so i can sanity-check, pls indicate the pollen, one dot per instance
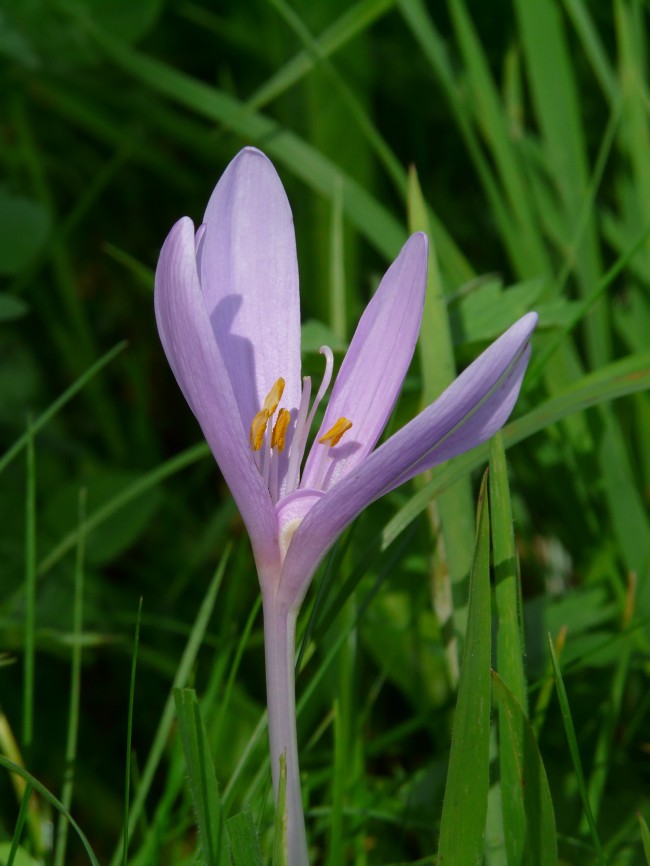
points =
(334, 434)
(280, 430)
(258, 429)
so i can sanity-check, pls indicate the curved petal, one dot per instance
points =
(467, 413)
(249, 277)
(374, 367)
(192, 353)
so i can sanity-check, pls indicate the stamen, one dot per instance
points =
(324, 385)
(258, 429)
(334, 434)
(280, 430)
(295, 455)
(274, 396)
(262, 418)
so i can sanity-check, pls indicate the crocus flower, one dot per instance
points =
(228, 313)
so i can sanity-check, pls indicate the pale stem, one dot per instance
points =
(279, 646)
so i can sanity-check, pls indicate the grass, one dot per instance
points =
(516, 134)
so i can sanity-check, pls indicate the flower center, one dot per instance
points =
(268, 439)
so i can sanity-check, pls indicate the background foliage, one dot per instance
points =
(528, 124)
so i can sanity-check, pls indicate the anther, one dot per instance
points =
(262, 418)
(334, 434)
(273, 397)
(258, 429)
(280, 430)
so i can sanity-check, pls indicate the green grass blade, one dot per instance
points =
(645, 837)
(375, 223)
(593, 47)
(528, 817)
(202, 779)
(452, 514)
(352, 22)
(464, 809)
(75, 689)
(20, 823)
(142, 485)
(167, 717)
(558, 113)
(30, 591)
(129, 736)
(510, 648)
(575, 753)
(520, 231)
(602, 762)
(337, 301)
(61, 401)
(244, 844)
(52, 800)
(546, 689)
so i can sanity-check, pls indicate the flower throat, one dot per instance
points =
(268, 439)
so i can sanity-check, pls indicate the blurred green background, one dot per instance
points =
(528, 124)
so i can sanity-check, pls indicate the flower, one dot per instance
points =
(228, 312)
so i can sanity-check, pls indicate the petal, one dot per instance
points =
(249, 277)
(374, 367)
(467, 413)
(189, 344)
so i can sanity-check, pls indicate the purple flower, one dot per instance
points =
(228, 313)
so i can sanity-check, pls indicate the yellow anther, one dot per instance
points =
(280, 430)
(258, 429)
(261, 420)
(334, 434)
(273, 397)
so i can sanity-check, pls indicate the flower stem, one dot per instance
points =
(279, 645)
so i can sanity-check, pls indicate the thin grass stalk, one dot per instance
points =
(75, 690)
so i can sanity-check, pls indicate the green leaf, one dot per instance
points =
(202, 779)
(244, 844)
(528, 816)
(464, 809)
(11, 307)
(24, 228)
(120, 530)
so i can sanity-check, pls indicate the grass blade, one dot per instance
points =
(20, 823)
(452, 514)
(129, 736)
(167, 717)
(30, 591)
(202, 779)
(528, 816)
(244, 844)
(464, 809)
(510, 648)
(61, 401)
(645, 838)
(575, 753)
(75, 689)
(52, 800)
